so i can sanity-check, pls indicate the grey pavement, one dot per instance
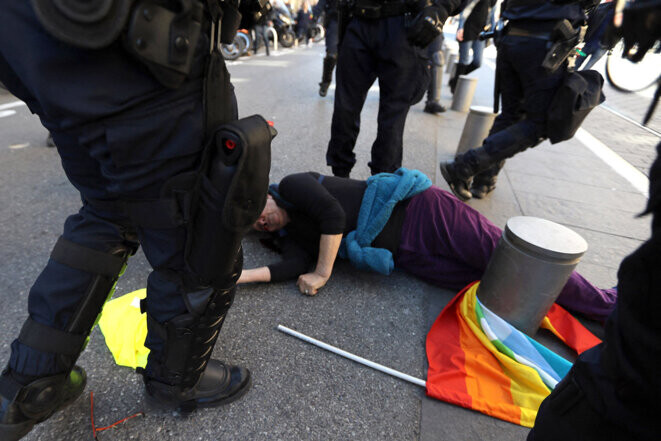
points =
(301, 392)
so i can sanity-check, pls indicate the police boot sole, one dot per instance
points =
(14, 432)
(482, 191)
(186, 407)
(450, 180)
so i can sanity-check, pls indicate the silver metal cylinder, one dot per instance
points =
(531, 264)
(463, 93)
(476, 128)
(451, 61)
(446, 53)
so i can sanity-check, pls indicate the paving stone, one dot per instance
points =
(592, 217)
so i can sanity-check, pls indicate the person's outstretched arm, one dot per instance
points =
(310, 283)
(261, 274)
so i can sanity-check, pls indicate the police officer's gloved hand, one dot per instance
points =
(426, 26)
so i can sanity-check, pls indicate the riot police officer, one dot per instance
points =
(612, 391)
(329, 10)
(119, 85)
(526, 87)
(382, 39)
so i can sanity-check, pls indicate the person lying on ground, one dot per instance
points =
(430, 234)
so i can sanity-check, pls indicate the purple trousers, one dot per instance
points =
(448, 243)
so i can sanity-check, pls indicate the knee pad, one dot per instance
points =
(106, 268)
(219, 202)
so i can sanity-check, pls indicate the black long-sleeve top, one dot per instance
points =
(319, 204)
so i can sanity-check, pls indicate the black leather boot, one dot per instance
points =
(327, 75)
(459, 182)
(23, 406)
(485, 182)
(459, 173)
(184, 377)
(219, 384)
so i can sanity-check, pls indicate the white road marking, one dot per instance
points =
(11, 105)
(6, 113)
(615, 161)
(19, 146)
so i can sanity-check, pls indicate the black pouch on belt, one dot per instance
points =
(221, 200)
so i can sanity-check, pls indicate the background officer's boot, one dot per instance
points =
(327, 74)
(24, 405)
(433, 104)
(485, 182)
(184, 377)
(460, 69)
(459, 173)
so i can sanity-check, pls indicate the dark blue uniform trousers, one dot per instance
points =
(374, 49)
(331, 37)
(120, 136)
(526, 91)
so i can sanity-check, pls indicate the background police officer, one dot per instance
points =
(384, 40)
(329, 10)
(526, 88)
(126, 118)
(612, 391)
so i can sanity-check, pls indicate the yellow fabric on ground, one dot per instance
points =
(125, 329)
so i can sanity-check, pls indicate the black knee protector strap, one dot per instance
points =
(69, 342)
(190, 338)
(221, 201)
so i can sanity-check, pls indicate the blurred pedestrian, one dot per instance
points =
(303, 23)
(261, 28)
(471, 23)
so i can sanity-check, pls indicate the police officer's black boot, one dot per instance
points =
(459, 173)
(485, 182)
(24, 404)
(480, 188)
(184, 377)
(327, 74)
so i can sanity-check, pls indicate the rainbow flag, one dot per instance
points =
(479, 361)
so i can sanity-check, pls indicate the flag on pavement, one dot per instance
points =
(479, 361)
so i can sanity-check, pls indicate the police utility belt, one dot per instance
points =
(162, 34)
(374, 9)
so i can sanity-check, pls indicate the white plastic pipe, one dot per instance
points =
(350, 356)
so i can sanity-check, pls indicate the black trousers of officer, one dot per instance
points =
(120, 135)
(374, 49)
(526, 92)
(331, 37)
